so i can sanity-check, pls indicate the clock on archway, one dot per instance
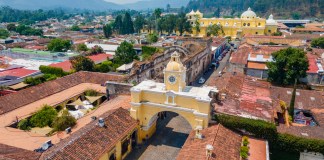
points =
(172, 79)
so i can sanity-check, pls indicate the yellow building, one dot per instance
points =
(248, 24)
(150, 98)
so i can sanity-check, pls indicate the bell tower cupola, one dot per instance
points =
(175, 74)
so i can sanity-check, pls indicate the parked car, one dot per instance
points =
(201, 80)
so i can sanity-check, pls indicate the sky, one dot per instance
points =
(122, 1)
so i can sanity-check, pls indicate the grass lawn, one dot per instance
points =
(281, 155)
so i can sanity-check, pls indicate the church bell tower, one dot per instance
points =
(175, 74)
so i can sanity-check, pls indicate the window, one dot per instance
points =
(244, 24)
(112, 157)
(125, 146)
(269, 31)
(248, 24)
(259, 24)
(256, 33)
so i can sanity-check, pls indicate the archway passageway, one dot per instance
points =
(171, 133)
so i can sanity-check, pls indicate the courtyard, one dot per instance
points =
(165, 144)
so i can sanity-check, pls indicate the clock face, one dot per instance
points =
(172, 79)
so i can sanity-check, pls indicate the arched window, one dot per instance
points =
(244, 24)
(248, 24)
(259, 24)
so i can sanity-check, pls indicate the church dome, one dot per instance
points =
(175, 63)
(249, 14)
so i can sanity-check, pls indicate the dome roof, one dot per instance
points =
(173, 66)
(175, 63)
(271, 21)
(249, 14)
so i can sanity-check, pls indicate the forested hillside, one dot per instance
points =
(279, 8)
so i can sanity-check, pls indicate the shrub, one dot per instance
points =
(24, 125)
(34, 81)
(259, 128)
(64, 121)
(43, 117)
(244, 152)
(245, 141)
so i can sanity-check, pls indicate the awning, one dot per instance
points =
(125, 67)
(18, 86)
(78, 102)
(92, 99)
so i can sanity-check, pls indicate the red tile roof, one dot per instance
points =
(245, 96)
(66, 65)
(14, 153)
(92, 141)
(17, 72)
(312, 63)
(226, 145)
(241, 55)
(100, 57)
(32, 94)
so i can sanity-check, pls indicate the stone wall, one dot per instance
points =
(115, 88)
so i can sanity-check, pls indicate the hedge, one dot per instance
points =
(260, 128)
(53, 70)
(291, 143)
(266, 130)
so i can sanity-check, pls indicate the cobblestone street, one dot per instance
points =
(166, 143)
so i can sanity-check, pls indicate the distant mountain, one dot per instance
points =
(151, 4)
(279, 8)
(70, 4)
(90, 4)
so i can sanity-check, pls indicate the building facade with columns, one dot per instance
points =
(149, 99)
(248, 24)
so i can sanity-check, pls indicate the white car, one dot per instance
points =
(201, 80)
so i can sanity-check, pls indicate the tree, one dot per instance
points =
(75, 28)
(139, 23)
(318, 43)
(288, 65)
(170, 23)
(217, 13)
(157, 14)
(104, 67)
(82, 47)
(182, 24)
(59, 45)
(295, 15)
(82, 63)
(118, 24)
(96, 50)
(127, 27)
(214, 30)
(28, 31)
(11, 27)
(43, 117)
(64, 121)
(125, 53)
(4, 34)
(107, 29)
(152, 38)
